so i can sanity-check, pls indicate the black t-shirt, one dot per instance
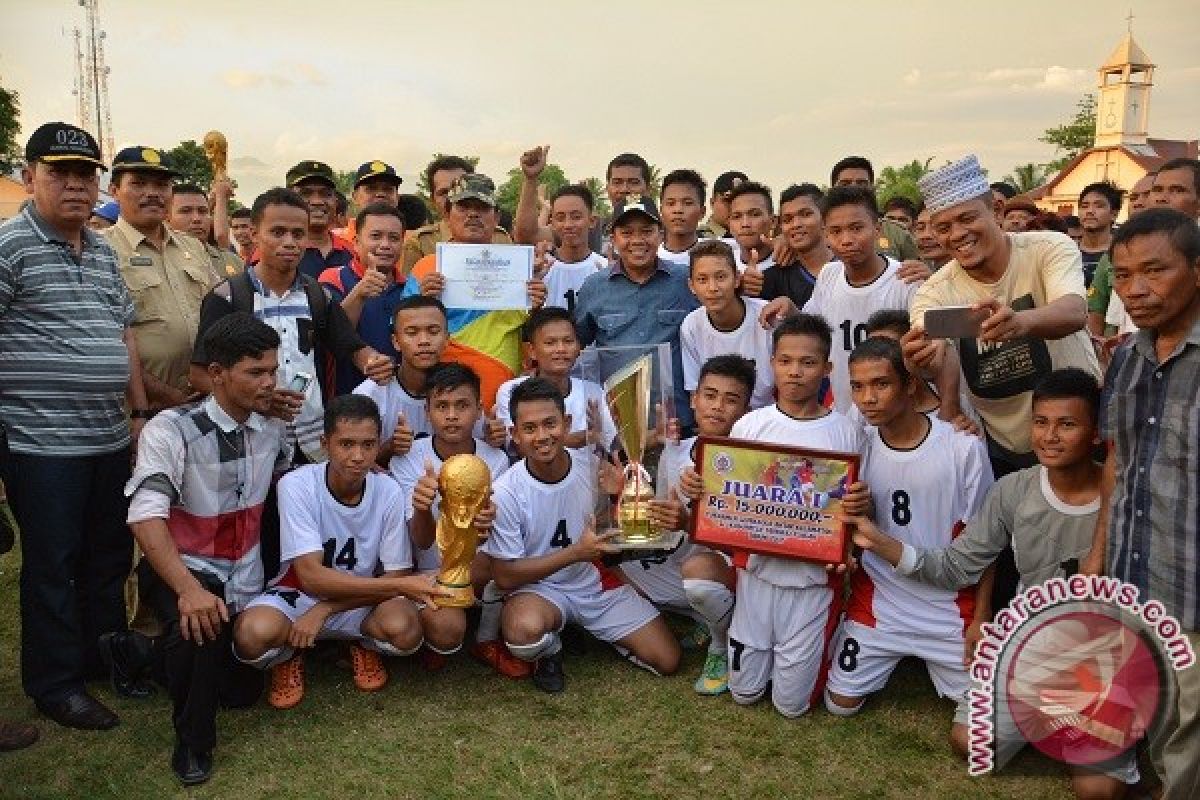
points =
(793, 281)
(1090, 260)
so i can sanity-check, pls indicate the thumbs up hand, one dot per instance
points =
(402, 436)
(752, 277)
(493, 430)
(425, 491)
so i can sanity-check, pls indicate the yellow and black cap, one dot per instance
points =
(376, 169)
(142, 159)
(58, 142)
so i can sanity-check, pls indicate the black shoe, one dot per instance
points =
(127, 655)
(79, 710)
(192, 767)
(548, 675)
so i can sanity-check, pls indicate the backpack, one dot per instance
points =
(241, 296)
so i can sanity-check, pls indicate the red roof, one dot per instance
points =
(1149, 156)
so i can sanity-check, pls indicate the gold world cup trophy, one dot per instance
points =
(216, 150)
(465, 483)
(627, 393)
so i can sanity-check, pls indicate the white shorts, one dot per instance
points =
(293, 603)
(660, 581)
(779, 635)
(610, 615)
(863, 659)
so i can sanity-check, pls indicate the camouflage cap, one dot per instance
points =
(473, 187)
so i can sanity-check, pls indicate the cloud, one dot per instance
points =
(283, 76)
(246, 79)
(1052, 78)
(912, 78)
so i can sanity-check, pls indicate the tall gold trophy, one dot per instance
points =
(465, 483)
(627, 392)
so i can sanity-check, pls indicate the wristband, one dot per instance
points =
(141, 413)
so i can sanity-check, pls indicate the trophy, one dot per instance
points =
(216, 150)
(465, 483)
(639, 373)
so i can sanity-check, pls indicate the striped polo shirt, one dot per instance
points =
(64, 367)
(208, 477)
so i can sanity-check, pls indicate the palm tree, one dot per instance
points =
(1026, 177)
(599, 194)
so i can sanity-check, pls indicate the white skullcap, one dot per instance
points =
(952, 184)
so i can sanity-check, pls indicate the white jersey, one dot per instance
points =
(356, 539)
(565, 277)
(682, 258)
(534, 518)
(408, 469)
(700, 340)
(393, 399)
(576, 401)
(923, 497)
(846, 308)
(831, 432)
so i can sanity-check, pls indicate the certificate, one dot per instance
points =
(772, 499)
(485, 277)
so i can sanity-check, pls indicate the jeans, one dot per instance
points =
(75, 556)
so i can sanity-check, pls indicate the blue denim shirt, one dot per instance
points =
(611, 310)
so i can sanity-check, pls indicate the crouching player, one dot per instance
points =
(787, 609)
(453, 409)
(1048, 514)
(543, 545)
(340, 523)
(693, 577)
(926, 480)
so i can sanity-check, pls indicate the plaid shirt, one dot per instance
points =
(208, 477)
(1151, 415)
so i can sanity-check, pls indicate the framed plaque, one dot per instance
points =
(772, 499)
(485, 277)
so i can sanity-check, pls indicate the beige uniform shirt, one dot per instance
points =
(1042, 267)
(423, 242)
(225, 264)
(167, 286)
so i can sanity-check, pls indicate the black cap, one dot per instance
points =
(376, 169)
(58, 142)
(141, 159)
(726, 181)
(309, 170)
(635, 204)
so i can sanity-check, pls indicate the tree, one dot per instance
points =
(1073, 137)
(343, 180)
(892, 181)
(10, 113)
(509, 192)
(187, 158)
(1026, 177)
(599, 195)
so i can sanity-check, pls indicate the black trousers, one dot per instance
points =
(75, 556)
(200, 677)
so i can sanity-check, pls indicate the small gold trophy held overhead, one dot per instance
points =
(627, 392)
(465, 483)
(216, 150)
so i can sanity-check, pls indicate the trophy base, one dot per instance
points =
(649, 547)
(460, 596)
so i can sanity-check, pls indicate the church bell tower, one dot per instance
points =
(1122, 112)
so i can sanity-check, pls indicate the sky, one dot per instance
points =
(779, 90)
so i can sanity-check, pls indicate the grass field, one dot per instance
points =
(617, 732)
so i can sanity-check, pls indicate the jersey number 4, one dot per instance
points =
(560, 537)
(345, 557)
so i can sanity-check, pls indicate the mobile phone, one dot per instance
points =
(300, 382)
(953, 322)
